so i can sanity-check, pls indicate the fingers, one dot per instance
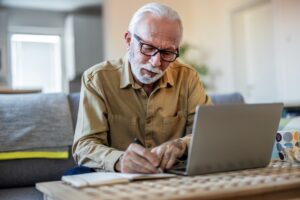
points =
(137, 159)
(170, 162)
(135, 165)
(148, 155)
(168, 153)
(159, 151)
(169, 157)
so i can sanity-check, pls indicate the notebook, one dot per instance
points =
(231, 137)
(108, 178)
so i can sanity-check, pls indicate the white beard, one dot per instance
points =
(136, 69)
(146, 78)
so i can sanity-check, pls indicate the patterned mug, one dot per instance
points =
(287, 144)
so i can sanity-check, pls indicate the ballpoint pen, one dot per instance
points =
(137, 141)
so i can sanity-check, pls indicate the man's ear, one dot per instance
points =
(127, 37)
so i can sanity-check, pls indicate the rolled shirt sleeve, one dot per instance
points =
(91, 147)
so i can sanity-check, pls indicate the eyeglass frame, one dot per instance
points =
(157, 50)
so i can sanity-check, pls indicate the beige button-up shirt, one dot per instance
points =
(114, 109)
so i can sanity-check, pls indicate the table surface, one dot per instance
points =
(280, 180)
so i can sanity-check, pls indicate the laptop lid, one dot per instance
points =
(232, 137)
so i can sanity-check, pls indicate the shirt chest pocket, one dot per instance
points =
(173, 127)
(122, 130)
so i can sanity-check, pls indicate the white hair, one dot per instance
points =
(157, 10)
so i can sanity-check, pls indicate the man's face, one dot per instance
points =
(159, 33)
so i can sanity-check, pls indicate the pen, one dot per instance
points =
(137, 141)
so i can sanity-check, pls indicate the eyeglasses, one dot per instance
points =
(149, 50)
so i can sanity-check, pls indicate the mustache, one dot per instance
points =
(150, 68)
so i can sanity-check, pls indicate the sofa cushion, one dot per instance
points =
(27, 172)
(24, 193)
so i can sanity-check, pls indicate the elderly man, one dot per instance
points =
(147, 95)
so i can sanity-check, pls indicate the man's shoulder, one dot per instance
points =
(105, 67)
(180, 67)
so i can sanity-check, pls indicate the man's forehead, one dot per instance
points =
(159, 31)
(164, 36)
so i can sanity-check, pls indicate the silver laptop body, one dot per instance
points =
(232, 137)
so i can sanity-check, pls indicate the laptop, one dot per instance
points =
(231, 137)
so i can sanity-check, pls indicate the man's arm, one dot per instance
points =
(91, 146)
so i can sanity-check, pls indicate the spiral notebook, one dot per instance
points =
(108, 178)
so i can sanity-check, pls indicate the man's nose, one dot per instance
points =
(155, 60)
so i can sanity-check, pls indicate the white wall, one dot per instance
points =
(88, 41)
(210, 29)
(3, 47)
(34, 18)
(254, 68)
(84, 43)
(116, 17)
(287, 48)
(260, 67)
(208, 25)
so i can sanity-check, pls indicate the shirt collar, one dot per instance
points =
(127, 77)
(168, 78)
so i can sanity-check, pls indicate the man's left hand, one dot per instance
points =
(169, 151)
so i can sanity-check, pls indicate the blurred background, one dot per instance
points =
(246, 46)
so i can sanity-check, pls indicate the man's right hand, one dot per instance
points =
(137, 159)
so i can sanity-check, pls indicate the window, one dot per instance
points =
(36, 62)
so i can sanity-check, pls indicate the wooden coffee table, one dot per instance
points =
(280, 180)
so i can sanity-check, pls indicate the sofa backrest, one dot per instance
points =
(230, 98)
(74, 104)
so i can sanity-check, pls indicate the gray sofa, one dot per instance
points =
(18, 177)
